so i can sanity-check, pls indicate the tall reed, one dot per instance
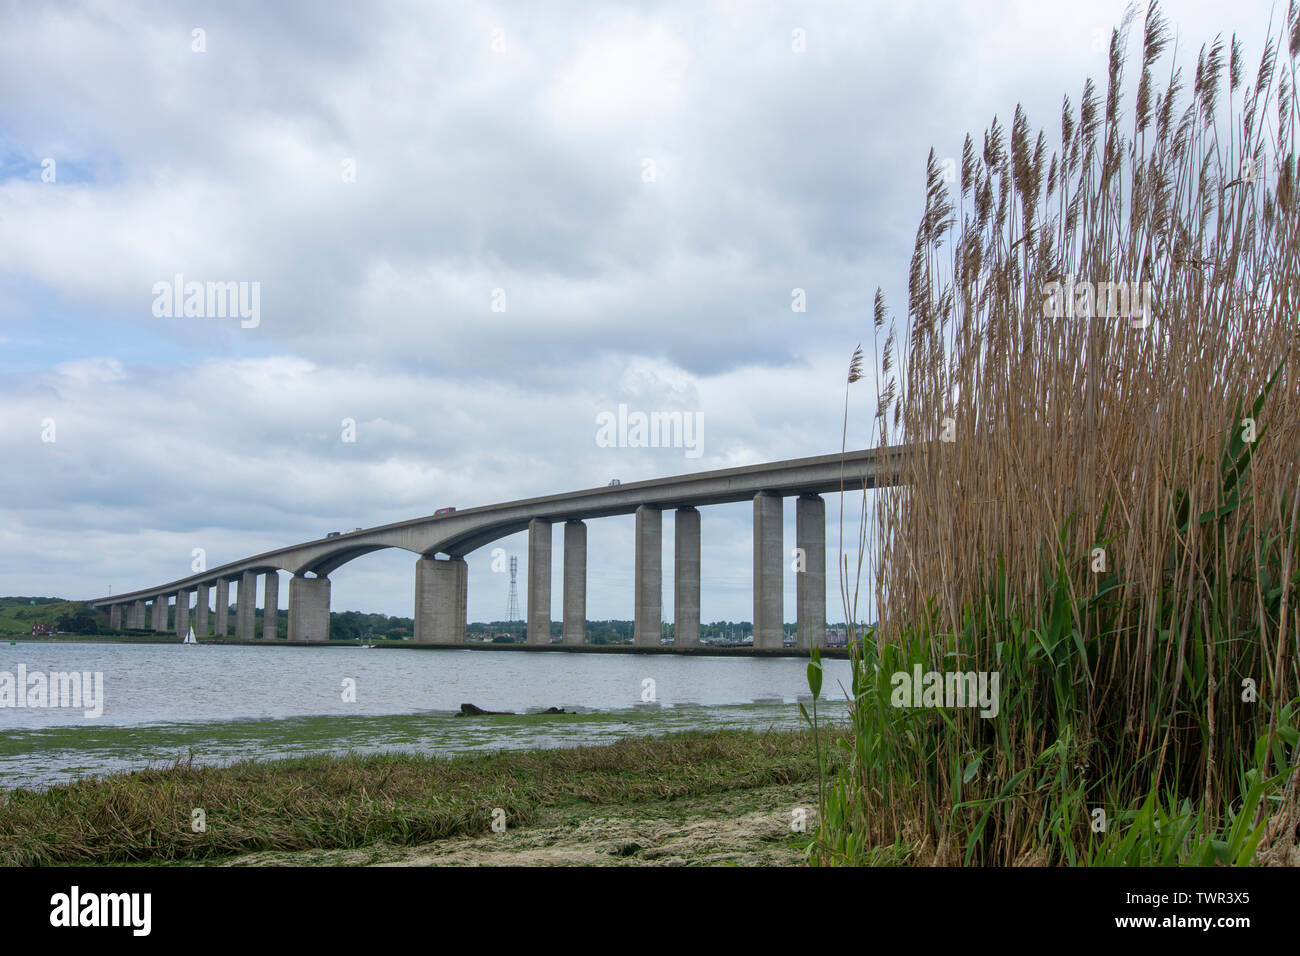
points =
(1099, 501)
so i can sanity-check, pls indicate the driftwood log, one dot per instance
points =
(469, 710)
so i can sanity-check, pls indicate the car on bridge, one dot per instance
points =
(333, 534)
(443, 511)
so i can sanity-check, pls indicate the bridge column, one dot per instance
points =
(686, 578)
(271, 607)
(649, 612)
(539, 582)
(222, 628)
(246, 608)
(575, 582)
(201, 611)
(810, 584)
(441, 600)
(135, 616)
(309, 609)
(159, 613)
(769, 632)
(182, 613)
(115, 617)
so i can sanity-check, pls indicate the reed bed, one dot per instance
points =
(1096, 388)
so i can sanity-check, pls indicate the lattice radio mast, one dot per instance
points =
(512, 605)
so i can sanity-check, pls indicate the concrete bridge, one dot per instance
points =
(441, 583)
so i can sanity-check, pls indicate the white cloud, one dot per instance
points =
(476, 171)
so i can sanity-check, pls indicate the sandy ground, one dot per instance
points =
(733, 828)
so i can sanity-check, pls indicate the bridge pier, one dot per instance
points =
(246, 606)
(222, 629)
(441, 600)
(158, 611)
(135, 616)
(115, 617)
(201, 611)
(648, 612)
(810, 584)
(539, 581)
(575, 583)
(769, 630)
(182, 613)
(271, 606)
(309, 609)
(686, 578)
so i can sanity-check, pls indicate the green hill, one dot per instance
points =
(18, 614)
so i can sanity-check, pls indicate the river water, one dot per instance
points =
(215, 704)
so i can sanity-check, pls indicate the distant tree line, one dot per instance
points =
(359, 626)
(81, 621)
(356, 626)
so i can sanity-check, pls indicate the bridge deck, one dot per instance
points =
(466, 530)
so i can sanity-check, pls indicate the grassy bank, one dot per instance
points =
(333, 804)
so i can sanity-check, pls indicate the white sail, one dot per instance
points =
(189, 638)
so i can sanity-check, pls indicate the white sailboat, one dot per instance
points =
(189, 638)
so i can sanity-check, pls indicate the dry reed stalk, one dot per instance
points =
(1075, 429)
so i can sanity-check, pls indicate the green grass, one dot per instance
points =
(350, 802)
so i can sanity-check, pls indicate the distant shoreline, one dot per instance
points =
(705, 650)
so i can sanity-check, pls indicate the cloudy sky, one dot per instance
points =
(473, 228)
